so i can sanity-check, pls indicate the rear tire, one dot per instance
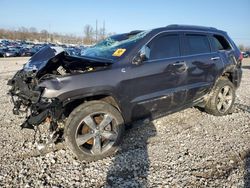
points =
(221, 99)
(94, 130)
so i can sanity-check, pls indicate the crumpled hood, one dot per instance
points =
(50, 58)
(41, 58)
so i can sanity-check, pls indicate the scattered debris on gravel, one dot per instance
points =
(186, 149)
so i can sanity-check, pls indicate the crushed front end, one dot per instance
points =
(35, 89)
(26, 97)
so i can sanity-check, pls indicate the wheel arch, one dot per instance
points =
(109, 98)
(233, 76)
(211, 99)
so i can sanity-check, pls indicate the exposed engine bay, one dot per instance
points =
(52, 61)
(27, 86)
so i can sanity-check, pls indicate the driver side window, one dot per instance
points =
(166, 46)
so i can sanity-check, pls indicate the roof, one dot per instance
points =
(188, 28)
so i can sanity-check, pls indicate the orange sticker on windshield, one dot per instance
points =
(119, 52)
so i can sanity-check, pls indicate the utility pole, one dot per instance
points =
(83, 37)
(96, 30)
(104, 30)
(49, 33)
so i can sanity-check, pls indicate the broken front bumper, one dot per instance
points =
(41, 112)
(27, 98)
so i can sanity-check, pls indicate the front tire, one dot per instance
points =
(94, 130)
(221, 99)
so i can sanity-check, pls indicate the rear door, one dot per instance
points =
(204, 65)
(229, 54)
(222, 47)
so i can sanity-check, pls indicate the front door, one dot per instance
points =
(156, 85)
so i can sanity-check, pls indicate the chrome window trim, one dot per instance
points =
(183, 56)
(183, 31)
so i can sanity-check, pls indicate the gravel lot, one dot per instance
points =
(186, 149)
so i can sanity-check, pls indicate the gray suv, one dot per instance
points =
(89, 100)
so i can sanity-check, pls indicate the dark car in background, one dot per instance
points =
(2, 51)
(90, 99)
(73, 51)
(245, 54)
(29, 51)
(12, 52)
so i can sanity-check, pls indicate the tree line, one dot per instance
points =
(243, 48)
(90, 36)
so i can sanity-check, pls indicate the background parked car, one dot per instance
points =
(248, 53)
(12, 52)
(245, 55)
(73, 51)
(29, 52)
(2, 52)
(10, 48)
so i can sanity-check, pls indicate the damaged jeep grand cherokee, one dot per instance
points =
(123, 78)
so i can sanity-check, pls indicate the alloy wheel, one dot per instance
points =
(96, 133)
(224, 99)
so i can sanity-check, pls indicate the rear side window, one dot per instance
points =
(165, 47)
(220, 43)
(197, 44)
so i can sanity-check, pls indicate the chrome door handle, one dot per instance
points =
(180, 66)
(215, 58)
(179, 63)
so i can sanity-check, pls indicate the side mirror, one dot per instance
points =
(142, 55)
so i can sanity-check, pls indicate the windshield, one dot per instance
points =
(114, 46)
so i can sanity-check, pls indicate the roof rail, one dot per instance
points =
(189, 26)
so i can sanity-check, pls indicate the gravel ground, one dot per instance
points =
(186, 149)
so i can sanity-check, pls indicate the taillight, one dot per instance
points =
(241, 57)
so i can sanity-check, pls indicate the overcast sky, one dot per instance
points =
(70, 16)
